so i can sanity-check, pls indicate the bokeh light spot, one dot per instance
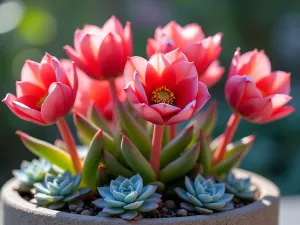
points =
(38, 26)
(11, 14)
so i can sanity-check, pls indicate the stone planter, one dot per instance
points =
(16, 211)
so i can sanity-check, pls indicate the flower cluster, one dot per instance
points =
(126, 110)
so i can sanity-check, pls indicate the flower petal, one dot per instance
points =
(276, 83)
(234, 63)
(183, 115)
(24, 88)
(165, 109)
(76, 57)
(140, 92)
(176, 56)
(111, 56)
(127, 35)
(280, 113)
(31, 73)
(47, 71)
(148, 113)
(113, 25)
(212, 75)
(184, 70)
(159, 62)
(9, 99)
(58, 102)
(202, 97)
(254, 64)
(133, 64)
(186, 91)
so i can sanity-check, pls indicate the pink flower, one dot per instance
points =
(191, 40)
(261, 102)
(102, 52)
(94, 92)
(165, 89)
(44, 94)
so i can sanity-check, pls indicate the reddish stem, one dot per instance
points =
(173, 129)
(113, 91)
(70, 144)
(157, 138)
(227, 137)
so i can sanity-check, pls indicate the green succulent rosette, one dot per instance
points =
(30, 173)
(56, 191)
(127, 198)
(242, 188)
(204, 196)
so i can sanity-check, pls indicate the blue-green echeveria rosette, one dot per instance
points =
(127, 198)
(30, 173)
(204, 196)
(242, 188)
(56, 191)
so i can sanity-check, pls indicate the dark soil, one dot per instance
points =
(168, 208)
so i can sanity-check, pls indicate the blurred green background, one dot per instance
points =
(29, 28)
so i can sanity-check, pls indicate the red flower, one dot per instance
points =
(102, 52)
(44, 94)
(95, 92)
(255, 92)
(191, 40)
(165, 89)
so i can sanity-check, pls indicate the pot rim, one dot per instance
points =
(269, 195)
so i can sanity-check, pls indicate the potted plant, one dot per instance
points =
(133, 163)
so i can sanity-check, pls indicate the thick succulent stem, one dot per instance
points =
(173, 129)
(227, 137)
(157, 138)
(70, 144)
(114, 96)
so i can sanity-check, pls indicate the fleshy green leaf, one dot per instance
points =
(114, 167)
(175, 147)
(240, 146)
(87, 131)
(179, 167)
(95, 117)
(137, 161)
(204, 121)
(129, 215)
(226, 165)
(90, 168)
(205, 155)
(148, 207)
(47, 151)
(135, 131)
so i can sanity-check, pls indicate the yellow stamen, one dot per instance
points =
(40, 102)
(163, 95)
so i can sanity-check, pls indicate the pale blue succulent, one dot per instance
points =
(127, 198)
(204, 196)
(241, 187)
(56, 191)
(30, 173)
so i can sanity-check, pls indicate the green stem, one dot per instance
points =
(70, 144)
(157, 138)
(114, 96)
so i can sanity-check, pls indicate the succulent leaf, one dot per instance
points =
(210, 197)
(47, 151)
(175, 147)
(95, 117)
(30, 173)
(114, 167)
(92, 161)
(242, 145)
(205, 155)
(127, 197)
(179, 167)
(65, 190)
(241, 187)
(135, 131)
(137, 161)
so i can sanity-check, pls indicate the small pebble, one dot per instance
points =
(182, 212)
(170, 204)
(79, 210)
(73, 207)
(86, 213)
(164, 210)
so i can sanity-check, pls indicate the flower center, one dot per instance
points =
(163, 95)
(41, 101)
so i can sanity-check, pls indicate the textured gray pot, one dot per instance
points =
(16, 211)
